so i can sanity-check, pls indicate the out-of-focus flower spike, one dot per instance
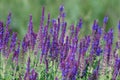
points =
(48, 22)
(119, 25)
(67, 46)
(39, 37)
(105, 20)
(64, 25)
(63, 15)
(33, 75)
(18, 49)
(24, 45)
(6, 38)
(62, 36)
(56, 78)
(30, 25)
(79, 25)
(116, 69)
(8, 20)
(16, 53)
(119, 31)
(30, 34)
(61, 8)
(28, 65)
(53, 21)
(13, 41)
(47, 45)
(7, 32)
(95, 25)
(1, 34)
(72, 32)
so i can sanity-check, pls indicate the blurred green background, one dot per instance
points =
(88, 10)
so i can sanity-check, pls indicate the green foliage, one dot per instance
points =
(86, 9)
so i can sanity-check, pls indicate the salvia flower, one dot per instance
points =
(105, 20)
(33, 75)
(1, 34)
(119, 31)
(7, 32)
(30, 34)
(95, 25)
(116, 69)
(119, 25)
(8, 20)
(13, 41)
(27, 73)
(24, 45)
(80, 23)
(60, 50)
(61, 8)
(16, 53)
(78, 27)
(28, 65)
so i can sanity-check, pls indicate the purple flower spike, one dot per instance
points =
(63, 14)
(119, 30)
(119, 25)
(28, 65)
(31, 36)
(56, 78)
(13, 41)
(95, 25)
(24, 45)
(6, 38)
(61, 8)
(80, 23)
(7, 32)
(1, 34)
(30, 26)
(8, 20)
(53, 21)
(16, 53)
(116, 69)
(33, 75)
(105, 20)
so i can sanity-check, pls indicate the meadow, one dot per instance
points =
(63, 47)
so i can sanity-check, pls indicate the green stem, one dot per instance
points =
(14, 72)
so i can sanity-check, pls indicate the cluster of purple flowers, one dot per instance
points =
(55, 43)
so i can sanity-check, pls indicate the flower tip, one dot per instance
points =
(61, 8)
(119, 25)
(105, 20)
(80, 23)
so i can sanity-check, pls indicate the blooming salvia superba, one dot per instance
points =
(13, 42)
(1, 35)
